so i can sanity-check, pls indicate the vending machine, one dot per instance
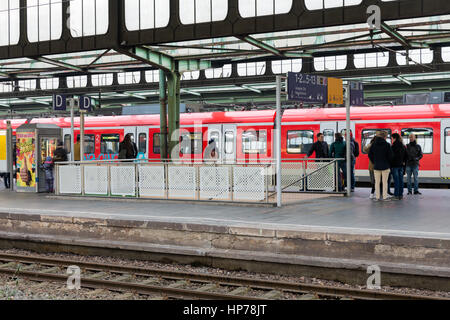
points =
(34, 143)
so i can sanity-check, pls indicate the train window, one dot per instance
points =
(229, 142)
(89, 143)
(157, 143)
(67, 143)
(191, 143)
(424, 138)
(447, 140)
(215, 135)
(328, 135)
(300, 142)
(142, 143)
(369, 134)
(110, 143)
(254, 142)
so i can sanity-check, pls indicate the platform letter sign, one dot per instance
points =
(59, 102)
(85, 103)
(335, 91)
(356, 93)
(307, 88)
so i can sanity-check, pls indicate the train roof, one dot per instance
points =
(255, 117)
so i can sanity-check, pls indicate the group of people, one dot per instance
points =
(394, 160)
(127, 150)
(338, 150)
(387, 162)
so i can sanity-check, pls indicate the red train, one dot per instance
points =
(241, 136)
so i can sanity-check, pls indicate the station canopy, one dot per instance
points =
(83, 47)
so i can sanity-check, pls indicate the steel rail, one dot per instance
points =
(298, 288)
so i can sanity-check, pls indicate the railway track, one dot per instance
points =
(177, 284)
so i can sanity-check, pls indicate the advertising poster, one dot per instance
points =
(26, 160)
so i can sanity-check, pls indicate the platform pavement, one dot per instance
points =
(426, 216)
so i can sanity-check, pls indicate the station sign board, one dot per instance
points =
(307, 88)
(59, 102)
(85, 103)
(335, 91)
(356, 93)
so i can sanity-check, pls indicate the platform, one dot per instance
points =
(412, 236)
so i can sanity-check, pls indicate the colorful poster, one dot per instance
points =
(26, 159)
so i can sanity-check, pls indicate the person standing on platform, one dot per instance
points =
(48, 168)
(354, 155)
(398, 165)
(338, 151)
(414, 155)
(381, 155)
(371, 170)
(127, 148)
(60, 154)
(76, 150)
(320, 148)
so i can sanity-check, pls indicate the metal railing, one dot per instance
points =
(200, 181)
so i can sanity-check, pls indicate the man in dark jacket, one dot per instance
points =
(381, 156)
(414, 155)
(60, 154)
(398, 164)
(338, 151)
(320, 148)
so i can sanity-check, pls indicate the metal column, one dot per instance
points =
(163, 115)
(278, 142)
(72, 134)
(82, 112)
(10, 154)
(347, 139)
(173, 80)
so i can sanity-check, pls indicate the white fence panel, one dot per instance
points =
(322, 180)
(249, 183)
(123, 181)
(69, 179)
(152, 181)
(96, 180)
(291, 174)
(182, 182)
(215, 183)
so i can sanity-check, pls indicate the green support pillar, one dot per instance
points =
(173, 85)
(163, 115)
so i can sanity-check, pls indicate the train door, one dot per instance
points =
(445, 149)
(229, 143)
(215, 133)
(328, 129)
(142, 142)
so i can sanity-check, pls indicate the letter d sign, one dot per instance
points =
(59, 102)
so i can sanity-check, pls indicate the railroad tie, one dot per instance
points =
(309, 296)
(97, 275)
(28, 267)
(151, 281)
(123, 278)
(273, 295)
(179, 284)
(209, 287)
(50, 270)
(240, 291)
(9, 265)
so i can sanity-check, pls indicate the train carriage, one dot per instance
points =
(249, 135)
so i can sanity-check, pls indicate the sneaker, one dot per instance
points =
(417, 192)
(390, 193)
(396, 198)
(409, 193)
(375, 200)
(386, 200)
(372, 196)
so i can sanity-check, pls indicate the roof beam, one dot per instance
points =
(251, 88)
(165, 62)
(394, 34)
(263, 46)
(60, 64)
(191, 92)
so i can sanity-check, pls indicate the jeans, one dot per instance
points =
(372, 180)
(49, 185)
(397, 174)
(353, 174)
(342, 167)
(7, 181)
(381, 176)
(413, 170)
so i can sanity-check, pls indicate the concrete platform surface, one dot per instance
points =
(426, 216)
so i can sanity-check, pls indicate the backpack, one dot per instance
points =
(356, 150)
